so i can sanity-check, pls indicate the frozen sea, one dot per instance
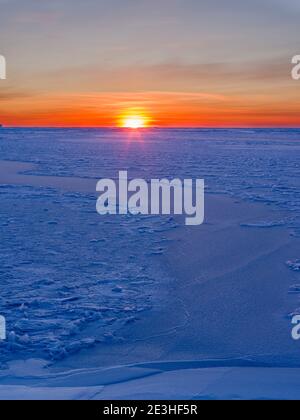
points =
(143, 306)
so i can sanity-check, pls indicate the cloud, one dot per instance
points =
(217, 78)
(10, 94)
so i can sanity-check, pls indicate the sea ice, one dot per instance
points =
(294, 265)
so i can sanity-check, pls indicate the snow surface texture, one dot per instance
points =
(181, 380)
(73, 269)
(73, 282)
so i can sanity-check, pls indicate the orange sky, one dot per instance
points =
(162, 109)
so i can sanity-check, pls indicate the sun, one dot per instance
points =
(134, 122)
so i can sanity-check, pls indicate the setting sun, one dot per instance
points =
(134, 122)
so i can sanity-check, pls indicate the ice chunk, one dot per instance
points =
(294, 265)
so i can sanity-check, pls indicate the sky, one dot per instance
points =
(181, 63)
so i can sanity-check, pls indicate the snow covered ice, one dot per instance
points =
(104, 296)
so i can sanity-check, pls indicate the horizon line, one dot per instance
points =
(152, 128)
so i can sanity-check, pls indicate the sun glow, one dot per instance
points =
(134, 122)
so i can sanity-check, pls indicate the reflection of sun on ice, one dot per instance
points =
(134, 122)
